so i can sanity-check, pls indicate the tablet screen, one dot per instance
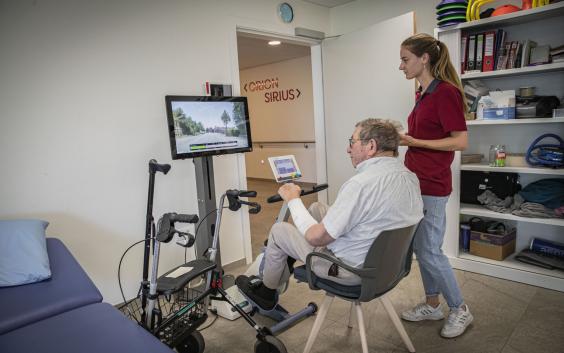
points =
(285, 168)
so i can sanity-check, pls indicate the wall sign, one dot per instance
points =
(272, 94)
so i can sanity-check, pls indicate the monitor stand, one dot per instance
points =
(206, 203)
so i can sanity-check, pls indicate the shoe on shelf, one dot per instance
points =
(457, 322)
(253, 288)
(423, 311)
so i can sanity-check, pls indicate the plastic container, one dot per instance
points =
(547, 247)
(497, 156)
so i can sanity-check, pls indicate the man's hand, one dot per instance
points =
(289, 192)
(406, 140)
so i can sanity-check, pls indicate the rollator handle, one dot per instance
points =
(247, 193)
(184, 218)
(156, 167)
(166, 225)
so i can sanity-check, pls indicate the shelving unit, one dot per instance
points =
(479, 211)
(513, 72)
(544, 25)
(517, 121)
(524, 170)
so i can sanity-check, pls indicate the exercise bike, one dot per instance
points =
(283, 318)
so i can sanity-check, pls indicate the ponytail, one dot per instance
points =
(439, 59)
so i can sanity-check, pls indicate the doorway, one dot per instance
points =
(277, 80)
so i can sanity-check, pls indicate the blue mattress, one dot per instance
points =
(95, 328)
(67, 289)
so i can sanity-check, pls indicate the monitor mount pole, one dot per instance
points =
(206, 204)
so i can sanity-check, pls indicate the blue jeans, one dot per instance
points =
(436, 272)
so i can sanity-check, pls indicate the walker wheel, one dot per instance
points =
(194, 343)
(269, 344)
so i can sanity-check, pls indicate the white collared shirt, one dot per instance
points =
(382, 195)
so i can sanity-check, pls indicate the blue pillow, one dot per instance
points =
(23, 252)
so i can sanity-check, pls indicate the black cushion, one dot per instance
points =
(350, 292)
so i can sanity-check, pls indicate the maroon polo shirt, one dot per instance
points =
(437, 113)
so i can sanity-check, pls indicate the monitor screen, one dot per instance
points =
(206, 125)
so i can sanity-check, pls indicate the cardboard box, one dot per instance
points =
(492, 246)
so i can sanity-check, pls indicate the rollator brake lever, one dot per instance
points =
(185, 239)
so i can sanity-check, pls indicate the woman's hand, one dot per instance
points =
(406, 140)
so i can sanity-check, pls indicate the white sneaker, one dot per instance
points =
(457, 322)
(423, 311)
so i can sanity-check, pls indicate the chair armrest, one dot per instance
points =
(361, 272)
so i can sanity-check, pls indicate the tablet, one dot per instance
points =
(285, 168)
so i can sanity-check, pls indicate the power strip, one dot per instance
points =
(225, 310)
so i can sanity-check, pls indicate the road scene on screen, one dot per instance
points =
(206, 126)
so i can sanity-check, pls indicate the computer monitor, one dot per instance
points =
(201, 126)
(285, 168)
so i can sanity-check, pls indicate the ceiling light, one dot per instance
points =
(274, 42)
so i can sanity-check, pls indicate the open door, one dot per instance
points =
(361, 80)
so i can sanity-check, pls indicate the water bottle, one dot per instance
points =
(465, 237)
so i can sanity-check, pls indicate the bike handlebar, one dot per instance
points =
(314, 189)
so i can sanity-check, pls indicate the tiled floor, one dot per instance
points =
(509, 317)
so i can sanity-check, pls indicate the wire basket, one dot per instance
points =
(180, 314)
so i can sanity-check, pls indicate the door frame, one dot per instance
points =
(318, 114)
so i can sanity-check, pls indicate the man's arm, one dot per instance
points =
(457, 141)
(317, 235)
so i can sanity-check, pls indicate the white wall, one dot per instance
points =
(284, 120)
(362, 13)
(82, 86)
(362, 81)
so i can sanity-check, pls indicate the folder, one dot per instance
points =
(471, 53)
(503, 56)
(489, 51)
(479, 51)
(463, 53)
(526, 52)
(498, 50)
(512, 54)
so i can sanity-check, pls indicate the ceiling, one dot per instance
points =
(329, 3)
(256, 51)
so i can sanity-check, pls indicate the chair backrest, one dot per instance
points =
(390, 259)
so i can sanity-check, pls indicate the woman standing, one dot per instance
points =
(436, 128)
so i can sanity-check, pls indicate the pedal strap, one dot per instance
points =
(255, 282)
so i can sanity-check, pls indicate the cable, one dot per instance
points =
(196, 234)
(211, 323)
(119, 276)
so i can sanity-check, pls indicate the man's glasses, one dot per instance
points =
(353, 141)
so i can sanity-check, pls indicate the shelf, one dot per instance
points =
(476, 210)
(519, 17)
(516, 121)
(510, 262)
(525, 170)
(515, 72)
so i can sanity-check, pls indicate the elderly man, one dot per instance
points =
(382, 195)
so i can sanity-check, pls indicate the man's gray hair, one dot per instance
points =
(383, 131)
